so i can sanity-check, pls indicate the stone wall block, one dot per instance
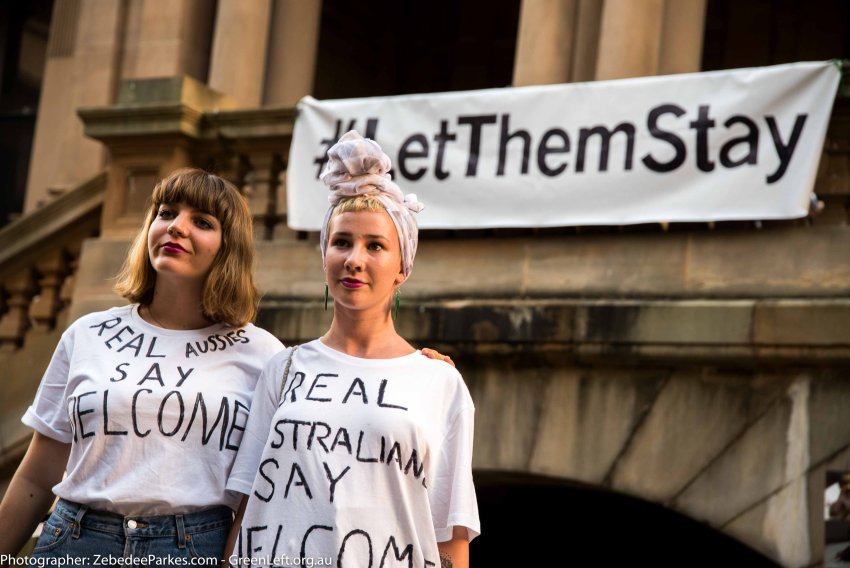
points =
(749, 470)
(709, 410)
(681, 322)
(802, 322)
(829, 401)
(511, 323)
(651, 264)
(771, 262)
(586, 419)
(509, 396)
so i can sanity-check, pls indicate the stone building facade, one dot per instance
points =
(700, 368)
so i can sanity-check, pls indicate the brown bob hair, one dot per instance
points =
(229, 293)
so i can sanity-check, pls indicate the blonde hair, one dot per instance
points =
(229, 293)
(357, 204)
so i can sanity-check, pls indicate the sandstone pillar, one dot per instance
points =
(240, 43)
(587, 22)
(630, 38)
(684, 24)
(293, 41)
(167, 39)
(544, 42)
(81, 70)
(650, 37)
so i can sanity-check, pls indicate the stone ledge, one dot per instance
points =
(802, 262)
(654, 329)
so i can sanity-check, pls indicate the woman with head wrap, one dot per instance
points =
(358, 448)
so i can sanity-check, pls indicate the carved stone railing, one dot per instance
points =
(39, 258)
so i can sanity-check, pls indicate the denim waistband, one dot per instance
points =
(143, 525)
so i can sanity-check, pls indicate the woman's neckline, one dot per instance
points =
(363, 360)
(136, 316)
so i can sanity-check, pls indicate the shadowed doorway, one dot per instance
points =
(517, 512)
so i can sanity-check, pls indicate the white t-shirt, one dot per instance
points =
(367, 462)
(154, 416)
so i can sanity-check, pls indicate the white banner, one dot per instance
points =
(724, 145)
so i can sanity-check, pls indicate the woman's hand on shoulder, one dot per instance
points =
(433, 354)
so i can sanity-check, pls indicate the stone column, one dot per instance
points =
(650, 37)
(587, 22)
(81, 70)
(240, 43)
(167, 39)
(293, 41)
(545, 42)
(684, 26)
(630, 38)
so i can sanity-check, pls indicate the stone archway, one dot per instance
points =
(590, 523)
(743, 450)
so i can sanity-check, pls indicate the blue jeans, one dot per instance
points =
(100, 538)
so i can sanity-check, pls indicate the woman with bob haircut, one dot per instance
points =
(358, 449)
(229, 293)
(143, 406)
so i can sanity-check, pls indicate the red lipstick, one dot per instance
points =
(172, 248)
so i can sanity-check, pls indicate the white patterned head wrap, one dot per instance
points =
(358, 166)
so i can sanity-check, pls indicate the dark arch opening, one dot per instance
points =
(530, 520)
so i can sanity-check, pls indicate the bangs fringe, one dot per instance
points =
(201, 190)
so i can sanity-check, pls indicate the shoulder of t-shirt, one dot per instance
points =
(440, 366)
(274, 365)
(265, 341)
(278, 359)
(441, 370)
(273, 369)
(458, 399)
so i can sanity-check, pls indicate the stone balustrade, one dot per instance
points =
(38, 259)
(39, 263)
